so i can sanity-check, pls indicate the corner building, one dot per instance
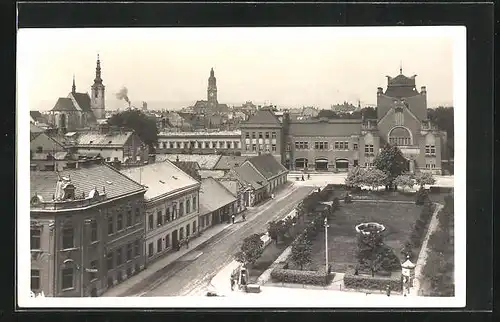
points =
(322, 144)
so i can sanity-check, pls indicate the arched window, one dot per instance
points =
(400, 136)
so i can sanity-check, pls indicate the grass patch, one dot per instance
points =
(398, 218)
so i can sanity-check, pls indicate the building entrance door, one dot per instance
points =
(300, 163)
(175, 239)
(342, 165)
(321, 164)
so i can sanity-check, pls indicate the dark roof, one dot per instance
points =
(401, 91)
(99, 176)
(227, 162)
(249, 175)
(83, 100)
(189, 167)
(35, 114)
(263, 116)
(64, 104)
(267, 165)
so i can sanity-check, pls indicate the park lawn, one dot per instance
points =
(398, 218)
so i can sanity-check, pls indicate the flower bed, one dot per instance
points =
(373, 283)
(284, 275)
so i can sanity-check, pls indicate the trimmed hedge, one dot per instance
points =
(284, 275)
(372, 283)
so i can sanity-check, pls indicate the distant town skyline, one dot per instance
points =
(288, 67)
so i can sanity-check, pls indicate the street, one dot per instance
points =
(191, 273)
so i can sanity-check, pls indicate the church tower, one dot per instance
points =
(97, 93)
(212, 90)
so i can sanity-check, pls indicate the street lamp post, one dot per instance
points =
(326, 245)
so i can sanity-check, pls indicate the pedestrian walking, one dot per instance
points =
(388, 290)
(232, 283)
(232, 218)
(244, 217)
(187, 242)
(302, 177)
(308, 176)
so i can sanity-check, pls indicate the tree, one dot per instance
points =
(273, 231)
(355, 177)
(251, 250)
(369, 113)
(403, 181)
(143, 126)
(391, 161)
(301, 252)
(375, 178)
(424, 178)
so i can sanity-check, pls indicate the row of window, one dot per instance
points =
(201, 145)
(430, 149)
(173, 214)
(260, 135)
(120, 223)
(123, 254)
(159, 243)
(260, 147)
(430, 166)
(369, 148)
(400, 141)
(338, 145)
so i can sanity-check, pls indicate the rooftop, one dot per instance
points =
(267, 165)
(227, 162)
(160, 178)
(112, 138)
(205, 161)
(200, 133)
(248, 175)
(108, 182)
(213, 196)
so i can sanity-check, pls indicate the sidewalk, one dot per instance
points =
(161, 262)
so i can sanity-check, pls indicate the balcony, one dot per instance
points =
(66, 204)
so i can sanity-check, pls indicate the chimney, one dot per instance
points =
(423, 90)
(380, 90)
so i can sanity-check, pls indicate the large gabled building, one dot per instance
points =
(339, 144)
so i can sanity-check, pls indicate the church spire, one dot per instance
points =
(73, 88)
(98, 79)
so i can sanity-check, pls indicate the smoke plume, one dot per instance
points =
(123, 95)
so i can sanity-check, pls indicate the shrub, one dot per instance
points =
(372, 283)
(421, 197)
(284, 275)
(347, 198)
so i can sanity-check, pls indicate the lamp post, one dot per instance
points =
(326, 245)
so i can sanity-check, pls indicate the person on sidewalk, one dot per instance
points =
(233, 218)
(232, 283)
(187, 241)
(244, 216)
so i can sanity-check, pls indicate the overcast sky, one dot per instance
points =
(289, 67)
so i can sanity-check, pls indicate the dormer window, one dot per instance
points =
(69, 192)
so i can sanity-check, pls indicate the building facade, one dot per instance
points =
(172, 206)
(217, 203)
(87, 231)
(339, 144)
(202, 142)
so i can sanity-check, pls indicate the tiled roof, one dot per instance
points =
(213, 196)
(64, 104)
(83, 100)
(190, 167)
(267, 165)
(160, 178)
(35, 114)
(250, 176)
(102, 177)
(211, 173)
(263, 116)
(401, 91)
(35, 129)
(227, 162)
(205, 161)
(107, 140)
(328, 128)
